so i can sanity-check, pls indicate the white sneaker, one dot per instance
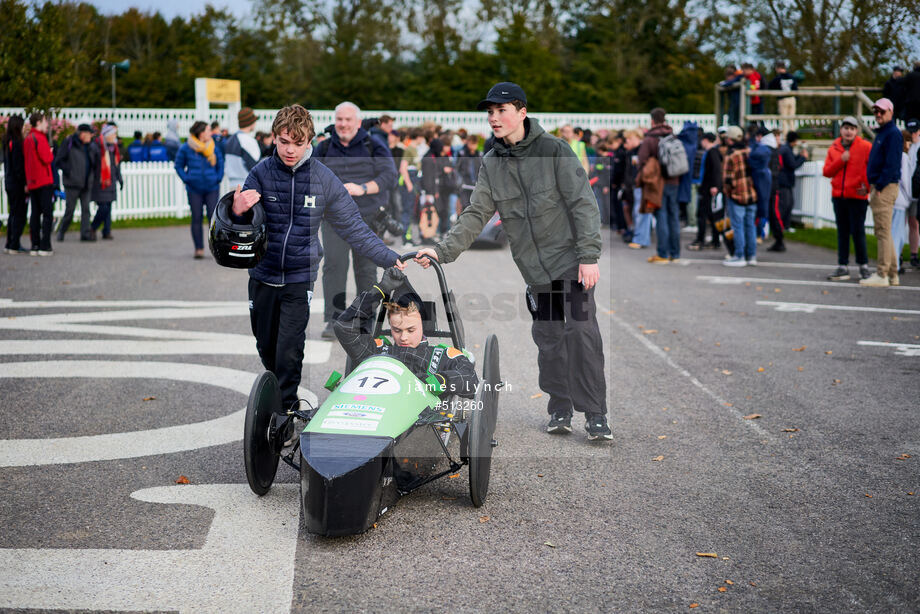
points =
(875, 281)
(734, 261)
(752, 262)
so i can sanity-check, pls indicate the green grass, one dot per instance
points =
(827, 237)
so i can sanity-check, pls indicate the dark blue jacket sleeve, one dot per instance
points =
(181, 163)
(342, 212)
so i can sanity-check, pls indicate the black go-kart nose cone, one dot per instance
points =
(345, 481)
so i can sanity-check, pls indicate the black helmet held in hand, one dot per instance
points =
(238, 246)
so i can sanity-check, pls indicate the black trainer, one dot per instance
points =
(596, 425)
(560, 423)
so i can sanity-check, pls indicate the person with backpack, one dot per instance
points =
(740, 198)
(37, 156)
(365, 167)
(241, 151)
(78, 159)
(661, 144)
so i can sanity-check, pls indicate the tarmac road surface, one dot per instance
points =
(126, 364)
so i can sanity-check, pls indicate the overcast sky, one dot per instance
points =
(171, 8)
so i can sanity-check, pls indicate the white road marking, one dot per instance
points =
(178, 438)
(168, 341)
(901, 349)
(813, 307)
(657, 351)
(315, 352)
(8, 303)
(760, 264)
(737, 281)
(246, 564)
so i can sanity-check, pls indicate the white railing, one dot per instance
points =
(152, 189)
(813, 197)
(154, 120)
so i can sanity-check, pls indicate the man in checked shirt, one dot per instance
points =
(354, 330)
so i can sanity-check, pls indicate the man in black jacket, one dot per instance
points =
(365, 167)
(782, 199)
(912, 93)
(78, 158)
(893, 90)
(710, 186)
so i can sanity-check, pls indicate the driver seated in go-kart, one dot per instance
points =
(354, 329)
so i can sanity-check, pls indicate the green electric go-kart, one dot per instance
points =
(380, 434)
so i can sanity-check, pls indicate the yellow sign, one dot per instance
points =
(223, 90)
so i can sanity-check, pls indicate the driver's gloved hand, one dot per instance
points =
(392, 279)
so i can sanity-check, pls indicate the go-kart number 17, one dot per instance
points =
(371, 381)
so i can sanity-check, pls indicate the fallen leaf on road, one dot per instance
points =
(722, 589)
(724, 558)
(829, 352)
(729, 582)
(550, 544)
(727, 404)
(752, 416)
(539, 475)
(649, 331)
(662, 437)
(694, 605)
(777, 290)
(666, 349)
(707, 555)
(760, 369)
(658, 458)
(801, 368)
(752, 583)
(483, 519)
(65, 283)
(791, 430)
(911, 494)
(868, 496)
(718, 344)
(182, 480)
(903, 457)
(536, 396)
(726, 372)
(453, 475)
(610, 312)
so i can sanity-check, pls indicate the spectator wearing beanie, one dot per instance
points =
(241, 150)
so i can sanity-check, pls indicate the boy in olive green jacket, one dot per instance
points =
(548, 211)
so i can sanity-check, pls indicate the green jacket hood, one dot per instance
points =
(532, 131)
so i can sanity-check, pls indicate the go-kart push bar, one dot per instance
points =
(445, 296)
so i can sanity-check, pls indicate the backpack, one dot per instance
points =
(233, 147)
(673, 156)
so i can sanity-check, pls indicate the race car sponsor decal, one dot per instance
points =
(358, 407)
(453, 352)
(355, 414)
(349, 424)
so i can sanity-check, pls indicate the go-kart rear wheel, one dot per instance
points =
(259, 451)
(482, 423)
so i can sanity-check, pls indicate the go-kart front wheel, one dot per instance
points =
(259, 451)
(482, 423)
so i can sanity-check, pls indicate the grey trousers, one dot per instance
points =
(570, 352)
(70, 204)
(336, 252)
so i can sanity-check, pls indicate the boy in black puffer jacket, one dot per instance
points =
(297, 193)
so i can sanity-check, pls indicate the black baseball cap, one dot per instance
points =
(912, 125)
(501, 93)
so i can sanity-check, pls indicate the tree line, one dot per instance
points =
(570, 55)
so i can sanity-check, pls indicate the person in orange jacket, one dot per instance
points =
(38, 157)
(845, 165)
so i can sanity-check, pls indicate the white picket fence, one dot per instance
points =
(152, 189)
(154, 120)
